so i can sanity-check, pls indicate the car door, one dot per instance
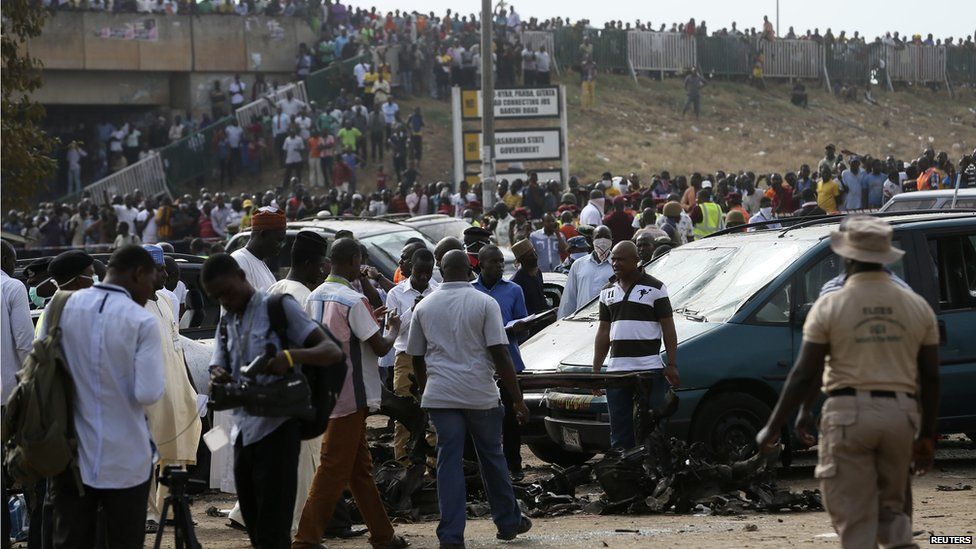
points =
(948, 262)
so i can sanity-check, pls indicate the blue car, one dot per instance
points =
(740, 300)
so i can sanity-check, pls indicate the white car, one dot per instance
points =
(965, 199)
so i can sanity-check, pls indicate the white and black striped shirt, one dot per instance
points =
(635, 330)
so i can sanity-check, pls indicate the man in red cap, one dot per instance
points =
(267, 236)
(620, 222)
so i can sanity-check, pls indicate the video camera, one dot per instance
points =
(286, 397)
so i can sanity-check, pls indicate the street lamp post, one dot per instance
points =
(487, 109)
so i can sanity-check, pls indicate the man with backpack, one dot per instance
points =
(111, 347)
(266, 449)
(346, 459)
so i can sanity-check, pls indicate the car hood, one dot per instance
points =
(567, 345)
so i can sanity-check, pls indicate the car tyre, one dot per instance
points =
(728, 423)
(550, 452)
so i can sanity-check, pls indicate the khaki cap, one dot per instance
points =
(866, 239)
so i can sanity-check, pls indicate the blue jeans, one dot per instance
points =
(626, 403)
(485, 426)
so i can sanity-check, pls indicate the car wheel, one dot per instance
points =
(728, 423)
(550, 452)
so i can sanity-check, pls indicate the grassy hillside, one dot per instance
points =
(639, 127)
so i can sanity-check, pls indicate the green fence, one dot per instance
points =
(323, 85)
(961, 65)
(610, 50)
(566, 45)
(849, 63)
(192, 159)
(723, 55)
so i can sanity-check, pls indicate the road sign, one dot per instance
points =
(514, 103)
(516, 145)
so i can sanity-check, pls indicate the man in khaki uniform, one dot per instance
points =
(875, 345)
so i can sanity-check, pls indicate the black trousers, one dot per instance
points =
(266, 475)
(291, 170)
(511, 435)
(113, 517)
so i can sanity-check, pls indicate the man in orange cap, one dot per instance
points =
(267, 237)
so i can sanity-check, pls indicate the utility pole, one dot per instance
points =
(777, 19)
(487, 109)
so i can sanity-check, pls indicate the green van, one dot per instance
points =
(739, 301)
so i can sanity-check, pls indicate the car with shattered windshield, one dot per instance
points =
(739, 301)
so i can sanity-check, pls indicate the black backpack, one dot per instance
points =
(324, 381)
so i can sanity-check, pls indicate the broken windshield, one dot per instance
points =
(709, 284)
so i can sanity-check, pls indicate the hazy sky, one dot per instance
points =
(871, 17)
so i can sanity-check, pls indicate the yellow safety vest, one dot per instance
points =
(711, 219)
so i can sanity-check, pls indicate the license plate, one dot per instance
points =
(571, 439)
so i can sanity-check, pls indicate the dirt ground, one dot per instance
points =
(938, 512)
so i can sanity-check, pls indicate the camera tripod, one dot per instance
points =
(185, 536)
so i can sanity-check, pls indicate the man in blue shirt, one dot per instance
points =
(265, 448)
(853, 181)
(511, 301)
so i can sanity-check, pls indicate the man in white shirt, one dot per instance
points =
(293, 147)
(237, 89)
(146, 222)
(542, 67)
(219, 216)
(176, 129)
(126, 212)
(417, 200)
(74, 155)
(15, 321)
(291, 105)
(592, 213)
(280, 124)
(459, 344)
(304, 124)
(359, 71)
(112, 348)
(401, 301)
(390, 110)
(234, 134)
(267, 235)
(588, 274)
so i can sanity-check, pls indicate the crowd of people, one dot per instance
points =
(840, 181)
(451, 344)
(411, 53)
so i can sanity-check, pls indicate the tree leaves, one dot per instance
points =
(26, 161)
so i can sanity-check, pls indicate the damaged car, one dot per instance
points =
(739, 301)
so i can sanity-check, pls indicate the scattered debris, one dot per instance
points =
(957, 487)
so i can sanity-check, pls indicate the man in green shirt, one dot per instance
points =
(348, 135)
(327, 122)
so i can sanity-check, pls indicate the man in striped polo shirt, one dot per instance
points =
(635, 316)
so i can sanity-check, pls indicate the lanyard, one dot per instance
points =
(339, 280)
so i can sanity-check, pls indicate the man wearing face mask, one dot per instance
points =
(765, 214)
(588, 274)
(592, 213)
(69, 271)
